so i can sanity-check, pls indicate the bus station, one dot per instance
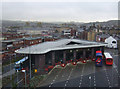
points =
(48, 54)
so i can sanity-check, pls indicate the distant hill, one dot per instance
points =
(22, 23)
(109, 23)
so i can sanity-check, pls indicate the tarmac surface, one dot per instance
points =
(84, 74)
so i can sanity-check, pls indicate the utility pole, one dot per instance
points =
(30, 60)
(10, 67)
(30, 64)
(17, 79)
(25, 77)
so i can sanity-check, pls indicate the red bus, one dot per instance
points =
(108, 58)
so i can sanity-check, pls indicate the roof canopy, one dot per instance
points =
(61, 44)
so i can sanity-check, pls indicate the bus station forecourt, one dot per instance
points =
(72, 63)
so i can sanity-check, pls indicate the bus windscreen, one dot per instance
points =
(109, 59)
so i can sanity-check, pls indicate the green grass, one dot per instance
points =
(35, 80)
(7, 80)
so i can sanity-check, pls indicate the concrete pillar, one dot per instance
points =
(102, 49)
(84, 53)
(64, 57)
(53, 58)
(92, 54)
(74, 54)
(39, 62)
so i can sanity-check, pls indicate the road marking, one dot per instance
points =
(69, 77)
(116, 69)
(115, 55)
(55, 78)
(81, 76)
(94, 77)
(50, 86)
(20, 81)
(107, 76)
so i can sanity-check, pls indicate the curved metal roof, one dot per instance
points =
(58, 45)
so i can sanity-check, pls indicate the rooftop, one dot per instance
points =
(61, 44)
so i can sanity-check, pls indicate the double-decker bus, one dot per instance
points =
(98, 60)
(21, 63)
(108, 58)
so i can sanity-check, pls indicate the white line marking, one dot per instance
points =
(107, 77)
(50, 86)
(81, 76)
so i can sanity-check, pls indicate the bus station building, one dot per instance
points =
(60, 51)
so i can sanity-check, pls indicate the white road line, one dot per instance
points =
(107, 77)
(54, 79)
(81, 76)
(50, 86)
(69, 77)
(20, 81)
(116, 69)
(66, 81)
(94, 77)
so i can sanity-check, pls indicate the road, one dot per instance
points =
(0, 73)
(6, 68)
(85, 75)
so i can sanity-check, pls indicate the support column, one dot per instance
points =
(84, 53)
(102, 49)
(92, 53)
(53, 58)
(64, 57)
(74, 54)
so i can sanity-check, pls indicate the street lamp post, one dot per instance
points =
(25, 77)
(30, 60)
(30, 65)
(17, 78)
(10, 67)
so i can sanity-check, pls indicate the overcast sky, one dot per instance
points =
(60, 11)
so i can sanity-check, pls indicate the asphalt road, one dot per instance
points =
(6, 68)
(85, 75)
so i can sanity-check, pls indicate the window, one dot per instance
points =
(109, 60)
(114, 42)
(99, 57)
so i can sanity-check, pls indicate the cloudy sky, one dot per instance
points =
(60, 11)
